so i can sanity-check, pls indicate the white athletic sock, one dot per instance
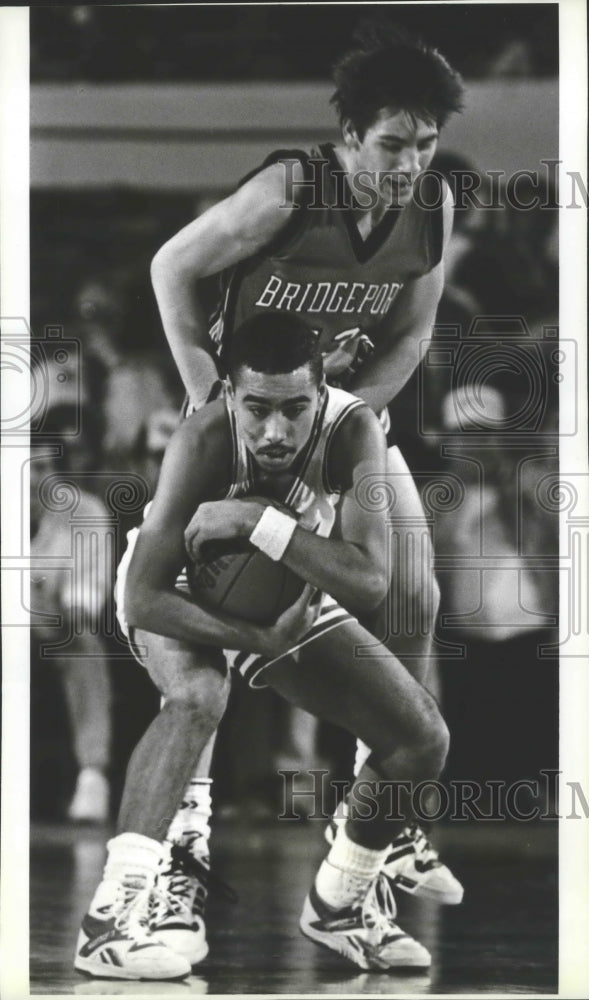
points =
(132, 855)
(132, 860)
(190, 826)
(348, 870)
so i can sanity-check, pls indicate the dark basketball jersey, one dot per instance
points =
(322, 269)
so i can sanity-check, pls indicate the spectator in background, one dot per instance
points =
(499, 263)
(500, 598)
(514, 59)
(497, 602)
(469, 222)
(511, 267)
(71, 579)
(152, 443)
(137, 383)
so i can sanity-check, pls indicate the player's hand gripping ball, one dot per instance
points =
(237, 579)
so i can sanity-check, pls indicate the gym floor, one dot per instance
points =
(503, 939)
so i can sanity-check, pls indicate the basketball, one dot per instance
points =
(239, 580)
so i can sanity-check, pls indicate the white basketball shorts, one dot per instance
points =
(250, 665)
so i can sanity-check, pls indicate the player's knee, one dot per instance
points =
(433, 741)
(422, 740)
(204, 709)
(201, 694)
(426, 739)
(421, 752)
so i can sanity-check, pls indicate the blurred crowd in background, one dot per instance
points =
(492, 430)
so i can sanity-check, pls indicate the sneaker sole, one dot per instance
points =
(101, 971)
(358, 958)
(327, 941)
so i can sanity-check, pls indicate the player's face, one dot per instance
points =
(396, 148)
(275, 414)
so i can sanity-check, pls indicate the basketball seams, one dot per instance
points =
(217, 593)
(266, 589)
(247, 557)
(236, 579)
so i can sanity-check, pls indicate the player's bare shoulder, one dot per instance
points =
(204, 442)
(358, 441)
(263, 205)
(278, 181)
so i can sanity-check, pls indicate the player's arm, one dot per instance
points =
(229, 232)
(403, 332)
(190, 472)
(350, 567)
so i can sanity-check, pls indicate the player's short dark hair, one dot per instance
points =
(389, 68)
(274, 343)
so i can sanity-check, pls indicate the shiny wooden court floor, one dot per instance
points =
(502, 939)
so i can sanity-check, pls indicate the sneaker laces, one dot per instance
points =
(379, 910)
(133, 916)
(193, 867)
(186, 878)
(175, 896)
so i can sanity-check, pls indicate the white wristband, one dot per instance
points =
(273, 532)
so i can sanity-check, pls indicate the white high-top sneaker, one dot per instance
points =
(364, 931)
(115, 941)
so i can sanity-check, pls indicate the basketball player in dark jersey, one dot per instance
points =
(277, 417)
(350, 238)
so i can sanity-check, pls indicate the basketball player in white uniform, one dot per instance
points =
(351, 238)
(277, 417)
